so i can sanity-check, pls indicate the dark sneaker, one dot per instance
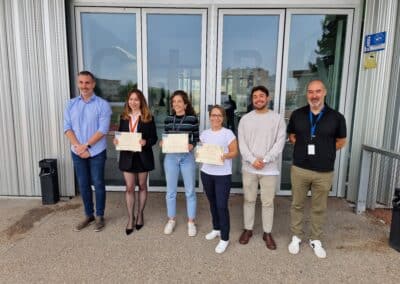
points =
(83, 224)
(99, 224)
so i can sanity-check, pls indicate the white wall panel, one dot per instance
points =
(371, 109)
(8, 168)
(230, 3)
(36, 56)
(392, 128)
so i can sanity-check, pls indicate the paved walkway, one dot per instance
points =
(37, 244)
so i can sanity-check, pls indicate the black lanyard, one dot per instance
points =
(180, 124)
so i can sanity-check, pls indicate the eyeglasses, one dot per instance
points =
(216, 115)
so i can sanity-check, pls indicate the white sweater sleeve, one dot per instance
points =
(279, 143)
(247, 155)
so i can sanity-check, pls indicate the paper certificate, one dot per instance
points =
(128, 141)
(209, 154)
(175, 143)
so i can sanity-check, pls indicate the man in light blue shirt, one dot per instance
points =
(86, 123)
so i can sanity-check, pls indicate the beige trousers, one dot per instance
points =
(319, 183)
(267, 190)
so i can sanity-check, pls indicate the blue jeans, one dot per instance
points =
(217, 189)
(89, 172)
(184, 163)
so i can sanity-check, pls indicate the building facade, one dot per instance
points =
(211, 49)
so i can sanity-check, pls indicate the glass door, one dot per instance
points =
(250, 44)
(108, 45)
(317, 44)
(174, 44)
(280, 48)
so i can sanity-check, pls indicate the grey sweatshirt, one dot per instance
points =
(261, 135)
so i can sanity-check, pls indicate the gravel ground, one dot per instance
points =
(37, 245)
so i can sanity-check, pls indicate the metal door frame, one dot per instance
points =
(203, 115)
(340, 168)
(280, 44)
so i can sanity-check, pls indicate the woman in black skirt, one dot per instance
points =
(135, 166)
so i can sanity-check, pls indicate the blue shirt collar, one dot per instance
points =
(92, 98)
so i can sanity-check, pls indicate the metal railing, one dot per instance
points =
(379, 176)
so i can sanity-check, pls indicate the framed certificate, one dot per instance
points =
(128, 141)
(175, 143)
(209, 154)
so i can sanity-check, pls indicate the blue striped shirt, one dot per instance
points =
(86, 118)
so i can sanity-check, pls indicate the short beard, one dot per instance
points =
(260, 108)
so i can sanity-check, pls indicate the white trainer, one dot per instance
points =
(318, 249)
(192, 231)
(169, 227)
(221, 247)
(213, 234)
(294, 246)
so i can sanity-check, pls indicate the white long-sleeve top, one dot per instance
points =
(261, 135)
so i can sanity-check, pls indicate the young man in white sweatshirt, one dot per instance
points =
(262, 134)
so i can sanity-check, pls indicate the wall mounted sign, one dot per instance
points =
(370, 60)
(375, 42)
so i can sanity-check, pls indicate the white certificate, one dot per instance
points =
(128, 141)
(209, 154)
(175, 143)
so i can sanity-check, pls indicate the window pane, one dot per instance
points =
(174, 62)
(249, 52)
(316, 52)
(109, 52)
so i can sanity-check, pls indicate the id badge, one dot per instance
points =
(311, 149)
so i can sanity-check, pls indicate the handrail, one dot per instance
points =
(366, 159)
(389, 153)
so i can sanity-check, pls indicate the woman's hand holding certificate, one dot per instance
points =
(210, 154)
(175, 143)
(128, 141)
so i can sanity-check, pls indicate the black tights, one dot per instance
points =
(131, 180)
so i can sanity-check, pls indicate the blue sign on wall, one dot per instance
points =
(375, 42)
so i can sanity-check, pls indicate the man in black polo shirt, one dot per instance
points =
(317, 132)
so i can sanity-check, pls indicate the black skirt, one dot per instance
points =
(136, 165)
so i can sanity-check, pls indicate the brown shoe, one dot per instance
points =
(269, 241)
(245, 236)
(84, 223)
(99, 225)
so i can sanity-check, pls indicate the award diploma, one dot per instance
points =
(175, 143)
(128, 141)
(209, 154)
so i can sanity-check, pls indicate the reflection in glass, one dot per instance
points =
(174, 62)
(249, 56)
(316, 52)
(109, 52)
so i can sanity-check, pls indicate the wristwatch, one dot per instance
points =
(88, 145)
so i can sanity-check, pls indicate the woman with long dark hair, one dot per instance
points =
(182, 120)
(135, 166)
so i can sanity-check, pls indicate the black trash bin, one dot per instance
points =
(49, 181)
(394, 238)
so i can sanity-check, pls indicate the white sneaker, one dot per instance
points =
(169, 227)
(192, 231)
(294, 246)
(221, 247)
(213, 234)
(318, 249)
